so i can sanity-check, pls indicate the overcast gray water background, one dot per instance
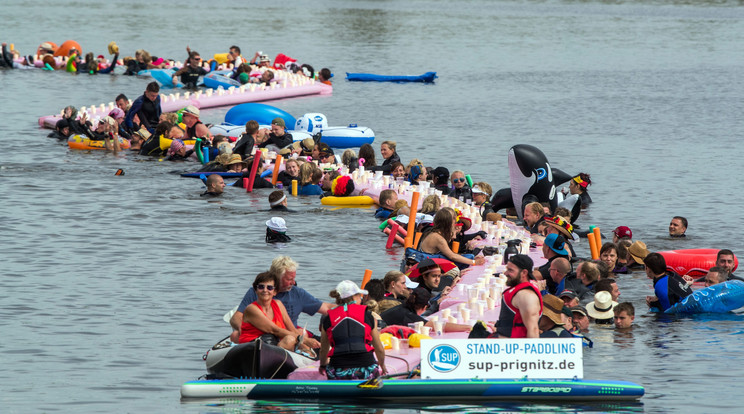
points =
(112, 288)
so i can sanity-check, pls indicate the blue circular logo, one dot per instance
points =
(444, 358)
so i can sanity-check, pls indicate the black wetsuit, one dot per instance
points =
(176, 157)
(210, 194)
(191, 131)
(244, 146)
(148, 112)
(6, 61)
(387, 165)
(286, 179)
(191, 77)
(585, 199)
(133, 67)
(60, 136)
(151, 147)
(280, 142)
(464, 194)
(276, 237)
(258, 182)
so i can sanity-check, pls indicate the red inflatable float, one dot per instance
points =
(693, 262)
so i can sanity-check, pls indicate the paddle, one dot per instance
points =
(376, 383)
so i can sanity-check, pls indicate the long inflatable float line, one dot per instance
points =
(296, 86)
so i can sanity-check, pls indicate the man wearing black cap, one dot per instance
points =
(278, 136)
(440, 179)
(521, 304)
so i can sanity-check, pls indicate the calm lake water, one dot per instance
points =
(112, 288)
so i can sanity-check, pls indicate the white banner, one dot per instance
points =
(502, 358)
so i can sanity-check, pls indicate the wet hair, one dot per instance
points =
(584, 177)
(163, 128)
(604, 284)
(607, 247)
(368, 153)
(723, 275)
(276, 196)
(121, 96)
(152, 87)
(656, 263)
(218, 139)
(376, 289)
(386, 195)
(622, 248)
(431, 205)
(237, 49)
(324, 74)
(590, 271)
(389, 144)
(563, 212)
(682, 219)
(264, 277)
(282, 264)
(724, 252)
(251, 127)
(624, 306)
(442, 224)
(418, 299)
(317, 175)
(602, 268)
(390, 278)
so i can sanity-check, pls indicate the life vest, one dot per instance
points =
(510, 322)
(348, 334)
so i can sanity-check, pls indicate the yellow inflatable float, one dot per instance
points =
(347, 201)
(81, 142)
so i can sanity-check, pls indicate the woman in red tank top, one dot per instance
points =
(267, 315)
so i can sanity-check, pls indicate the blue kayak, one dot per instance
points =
(371, 77)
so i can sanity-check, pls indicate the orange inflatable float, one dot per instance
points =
(692, 262)
(64, 48)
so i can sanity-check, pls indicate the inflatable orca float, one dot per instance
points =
(533, 179)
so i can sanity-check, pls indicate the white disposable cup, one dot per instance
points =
(419, 326)
(446, 313)
(481, 307)
(472, 293)
(439, 327)
(404, 346)
(461, 306)
(395, 343)
(465, 314)
(434, 318)
(425, 330)
(490, 303)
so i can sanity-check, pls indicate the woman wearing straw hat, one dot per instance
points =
(342, 354)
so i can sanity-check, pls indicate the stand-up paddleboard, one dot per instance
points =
(417, 390)
(427, 77)
(721, 298)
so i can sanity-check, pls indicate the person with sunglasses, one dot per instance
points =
(460, 188)
(190, 71)
(267, 318)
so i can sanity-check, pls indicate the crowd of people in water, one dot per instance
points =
(69, 57)
(568, 296)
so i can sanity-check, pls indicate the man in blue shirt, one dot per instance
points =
(295, 299)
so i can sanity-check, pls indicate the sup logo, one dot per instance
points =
(444, 358)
